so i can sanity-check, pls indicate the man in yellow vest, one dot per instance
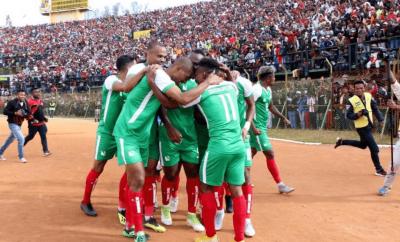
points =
(361, 108)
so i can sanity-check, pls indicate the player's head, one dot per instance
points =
(156, 53)
(205, 68)
(36, 93)
(124, 62)
(21, 95)
(359, 88)
(266, 75)
(181, 70)
(196, 56)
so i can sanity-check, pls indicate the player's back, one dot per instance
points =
(112, 103)
(263, 98)
(219, 107)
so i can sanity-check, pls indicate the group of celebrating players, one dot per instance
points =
(196, 114)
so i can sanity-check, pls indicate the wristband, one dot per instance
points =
(247, 125)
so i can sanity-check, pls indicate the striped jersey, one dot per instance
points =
(262, 98)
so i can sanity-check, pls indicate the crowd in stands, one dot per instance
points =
(245, 34)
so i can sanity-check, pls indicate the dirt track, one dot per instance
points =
(335, 198)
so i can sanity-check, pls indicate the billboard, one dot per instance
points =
(142, 34)
(44, 6)
(69, 5)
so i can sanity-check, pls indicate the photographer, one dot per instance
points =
(361, 108)
(17, 110)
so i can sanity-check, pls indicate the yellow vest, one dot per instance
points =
(358, 105)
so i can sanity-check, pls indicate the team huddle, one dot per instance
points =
(196, 114)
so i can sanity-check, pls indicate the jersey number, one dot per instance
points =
(227, 100)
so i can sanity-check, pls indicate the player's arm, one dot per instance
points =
(225, 69)
(130, 82)
(164, 100)
(249, 115)
(173, 134)
(184, 98)
(276, 112)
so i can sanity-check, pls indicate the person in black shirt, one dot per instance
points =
(17, 110)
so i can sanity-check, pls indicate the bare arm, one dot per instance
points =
(173, 134)
(249, 116)
(276, 112)
(129, 83)
(164, 100)
(183, 98)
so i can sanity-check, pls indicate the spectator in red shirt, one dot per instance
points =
(38, 123)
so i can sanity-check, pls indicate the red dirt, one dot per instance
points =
(335, 198)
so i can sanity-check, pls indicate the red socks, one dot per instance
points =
(219, 197)
(122, 186)
(239, 217)
(208, 213)
(166, 190)
(176, 187)
(149, 189)
(248, 196)
(273, 169)
(135, 203)
(91, 180)
(192, 190)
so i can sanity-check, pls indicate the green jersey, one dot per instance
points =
(245, 90)
(112, 103)
(219, 107)
(183, 118)
(262, 98)
(139, 111)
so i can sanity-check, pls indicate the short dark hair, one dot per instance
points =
(20, 90)
(123, 61)
(359, 82)
(153, 44)
(199, 51)
(209, 64)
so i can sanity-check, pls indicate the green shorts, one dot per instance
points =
(260, 142)
(154, 150)
(106, 147)
(248, 158)
(129, 152)
(217, 168)
(172, 153)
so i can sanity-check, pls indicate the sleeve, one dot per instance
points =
(9, 110)
(396, 89)
(248, 87)
(350, 112)
(135, 69)
(163, 81)
(109, 82)
(375, 111)
(257, 91)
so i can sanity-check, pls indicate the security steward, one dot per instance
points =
(361, 108)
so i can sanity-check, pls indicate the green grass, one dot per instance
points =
(323, 136)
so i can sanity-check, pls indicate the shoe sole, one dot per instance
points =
(249, 236)
(155, 228)
(88, 214)
(195, 230)
(287, 192)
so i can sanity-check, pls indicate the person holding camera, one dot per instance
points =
(38, 121)
(360, 108)
(17, 110)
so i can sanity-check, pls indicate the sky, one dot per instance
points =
(26, 12)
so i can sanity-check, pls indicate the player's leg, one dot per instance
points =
(121, 213)
(219, 193)
(174, 200)
(169, 157)
(272, 166)
(234, 176)
(212, 171)
(191, 167)
(32, 130)
(228, 198)
(134, 158)
(389, 178)
(247, 189)
(105, 150)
